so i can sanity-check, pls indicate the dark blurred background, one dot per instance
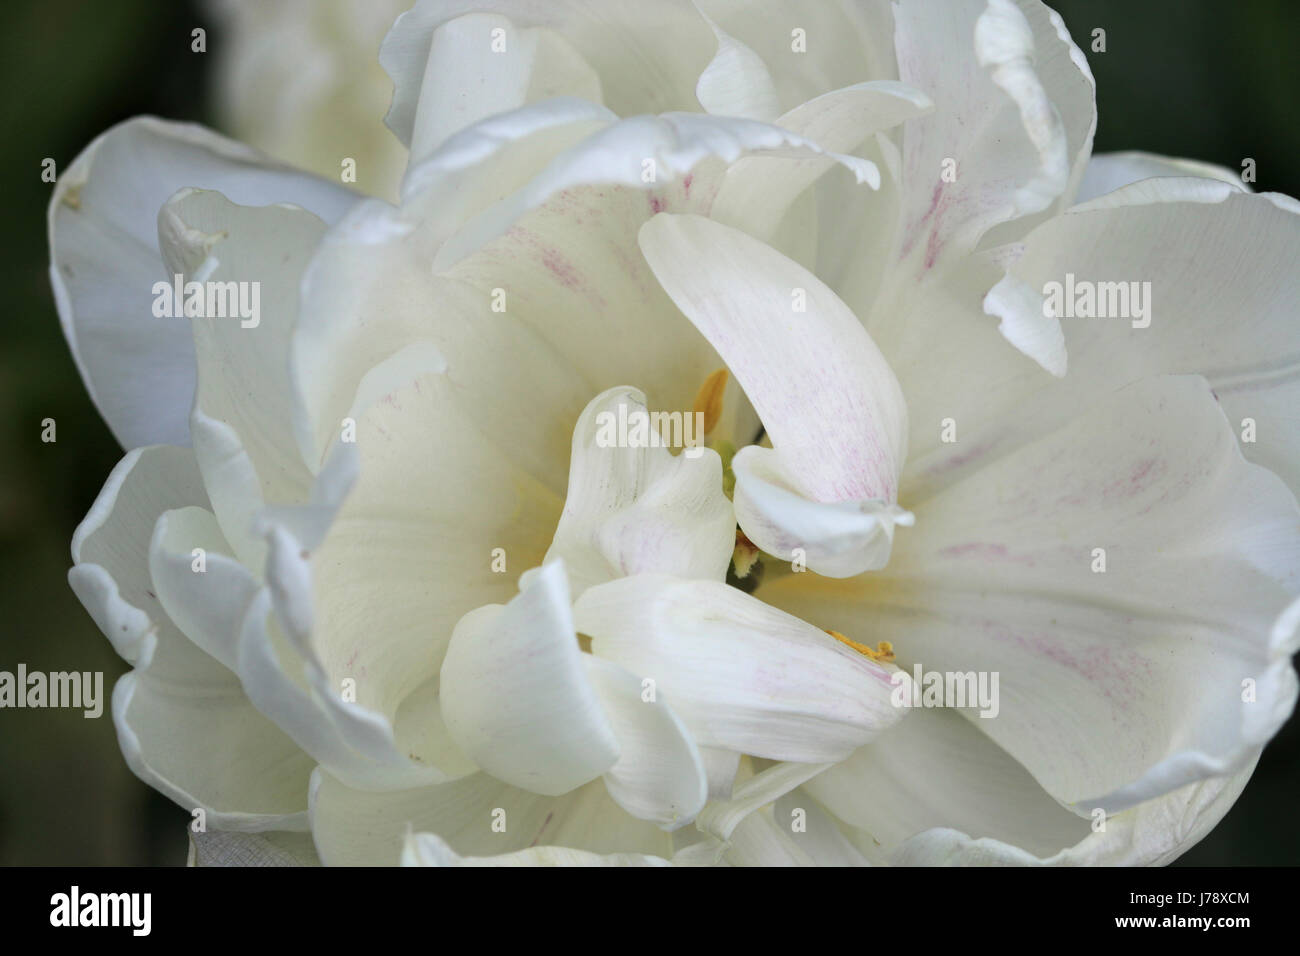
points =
(1195, 78)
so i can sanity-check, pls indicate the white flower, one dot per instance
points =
(301, 80)
(414, 426)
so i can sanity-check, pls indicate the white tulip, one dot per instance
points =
(442, 622)
(301, 81)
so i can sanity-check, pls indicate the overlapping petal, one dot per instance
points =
(103, 233)
(742, 675)
(1131, 563)
(827, 398)
(248, 775)
(1097, 540)
(637, 508)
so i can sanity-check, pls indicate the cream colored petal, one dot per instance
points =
(516, 696)
(476, 816)
(736, 82)
(634, 510)
(1107, 172)
(1189, 276)
(250, 259)
(1013, 124)
(183, 722)
(826, 396)
(1131, 563)
(939, 770)
(1154, 833)
(646, 57)
(481, 64)
(660, 775)
(741, 675)
(758, 191)
(138, 368)
(110, 548)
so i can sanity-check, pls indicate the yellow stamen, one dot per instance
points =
(745, 556)
(883, 653)
(709, 399)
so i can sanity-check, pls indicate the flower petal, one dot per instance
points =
(811, 47)
(760, 841)
(825, 394)
(477, 815)
(939, 792)
(110, 548)
(369, 289)
(351, 742)
(203, 589)
(384, 593)
(368, 603)
(243, 403)
(1201, 313)
(632, 510)
(1154, 833)
(1014, 114)
(379, 730)
(659, 775)
(815, 832)
(303, 83)
(638, 153)
(515, 693)
(1131, 563)
(758, 191)
(249, 775)
(1107, 172)
(1027, 325)
(646, 59)
(736, 82)
(938, 770)
(481, 64)
(723, 816)
(104, 261)
(740, 674)
(529, 321)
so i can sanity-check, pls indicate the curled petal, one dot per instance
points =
(632, 510)
(660, 775)
(255, 256)
(1107, 172)
(249, 775)
(1132, 563)
(481, 64)
(1012, 128)
(104, 261)
(826, 396)
(516, 697)
(669, 43)
(742, 675)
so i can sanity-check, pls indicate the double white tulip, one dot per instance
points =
(380, 580)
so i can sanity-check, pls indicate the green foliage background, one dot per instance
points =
(1195, 78)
